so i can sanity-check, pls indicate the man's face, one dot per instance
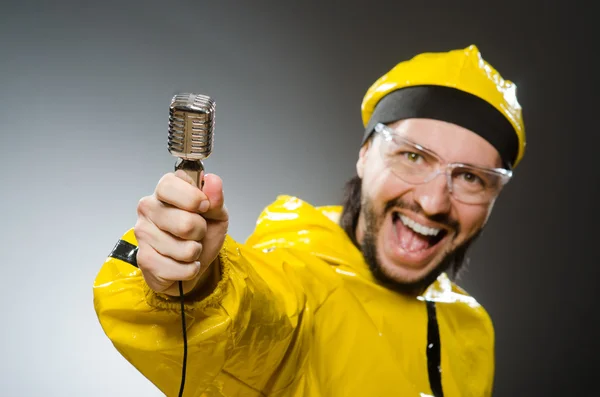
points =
(397, 218)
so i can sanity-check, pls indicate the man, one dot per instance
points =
(351, 300)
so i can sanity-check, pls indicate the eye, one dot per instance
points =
(411, 156)
(471, 178)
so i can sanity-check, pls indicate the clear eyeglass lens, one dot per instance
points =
(417, 166)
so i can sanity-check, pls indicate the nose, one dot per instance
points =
(434, 196)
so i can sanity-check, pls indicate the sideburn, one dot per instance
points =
(351, 205)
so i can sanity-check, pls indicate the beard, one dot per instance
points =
(452, 260)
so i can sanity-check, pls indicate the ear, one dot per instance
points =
(362, 158)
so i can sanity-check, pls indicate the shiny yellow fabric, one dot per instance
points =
(296, 313)
(464, 69)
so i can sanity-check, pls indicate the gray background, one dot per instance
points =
(84, 91)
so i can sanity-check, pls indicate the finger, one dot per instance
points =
(181, 174)
(166, 244)
(183, 224)
(213, 189)
(161, 271)
(178, 192)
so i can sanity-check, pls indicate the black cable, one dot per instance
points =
(184, 340)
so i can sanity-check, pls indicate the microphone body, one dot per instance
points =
(191, 130)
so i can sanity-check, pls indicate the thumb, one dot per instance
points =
(213, 189)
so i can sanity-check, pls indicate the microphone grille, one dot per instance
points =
(191, 126)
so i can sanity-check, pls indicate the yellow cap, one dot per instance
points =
(464, 70)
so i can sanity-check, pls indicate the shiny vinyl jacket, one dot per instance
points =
(297, 313)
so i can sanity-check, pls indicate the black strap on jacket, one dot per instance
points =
(434, 365)
(125, 251)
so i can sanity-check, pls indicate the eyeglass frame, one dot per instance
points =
(444, 167)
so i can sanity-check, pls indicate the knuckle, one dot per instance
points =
(166, 179)
(186, 226)
(191, 251)
(141, 232)
(139, 228)
(144, 258)
(164, 184)
(190, 271)
(144, 205)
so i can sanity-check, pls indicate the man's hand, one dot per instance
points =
(180, 231)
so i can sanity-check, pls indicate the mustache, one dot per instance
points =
(443, 219)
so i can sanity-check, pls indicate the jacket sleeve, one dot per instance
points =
(248, 335)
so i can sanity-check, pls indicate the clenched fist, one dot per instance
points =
(180, 231)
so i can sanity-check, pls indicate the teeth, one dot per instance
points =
(417, 227)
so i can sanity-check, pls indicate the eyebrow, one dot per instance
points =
(426, 149)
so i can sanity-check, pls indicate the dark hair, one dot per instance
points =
(351, 206)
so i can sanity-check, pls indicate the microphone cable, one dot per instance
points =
(184, 330)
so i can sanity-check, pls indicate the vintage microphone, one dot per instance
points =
(191, 129)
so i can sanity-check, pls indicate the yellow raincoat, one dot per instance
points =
(297, 313)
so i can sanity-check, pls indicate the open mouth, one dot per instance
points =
(414, 237)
